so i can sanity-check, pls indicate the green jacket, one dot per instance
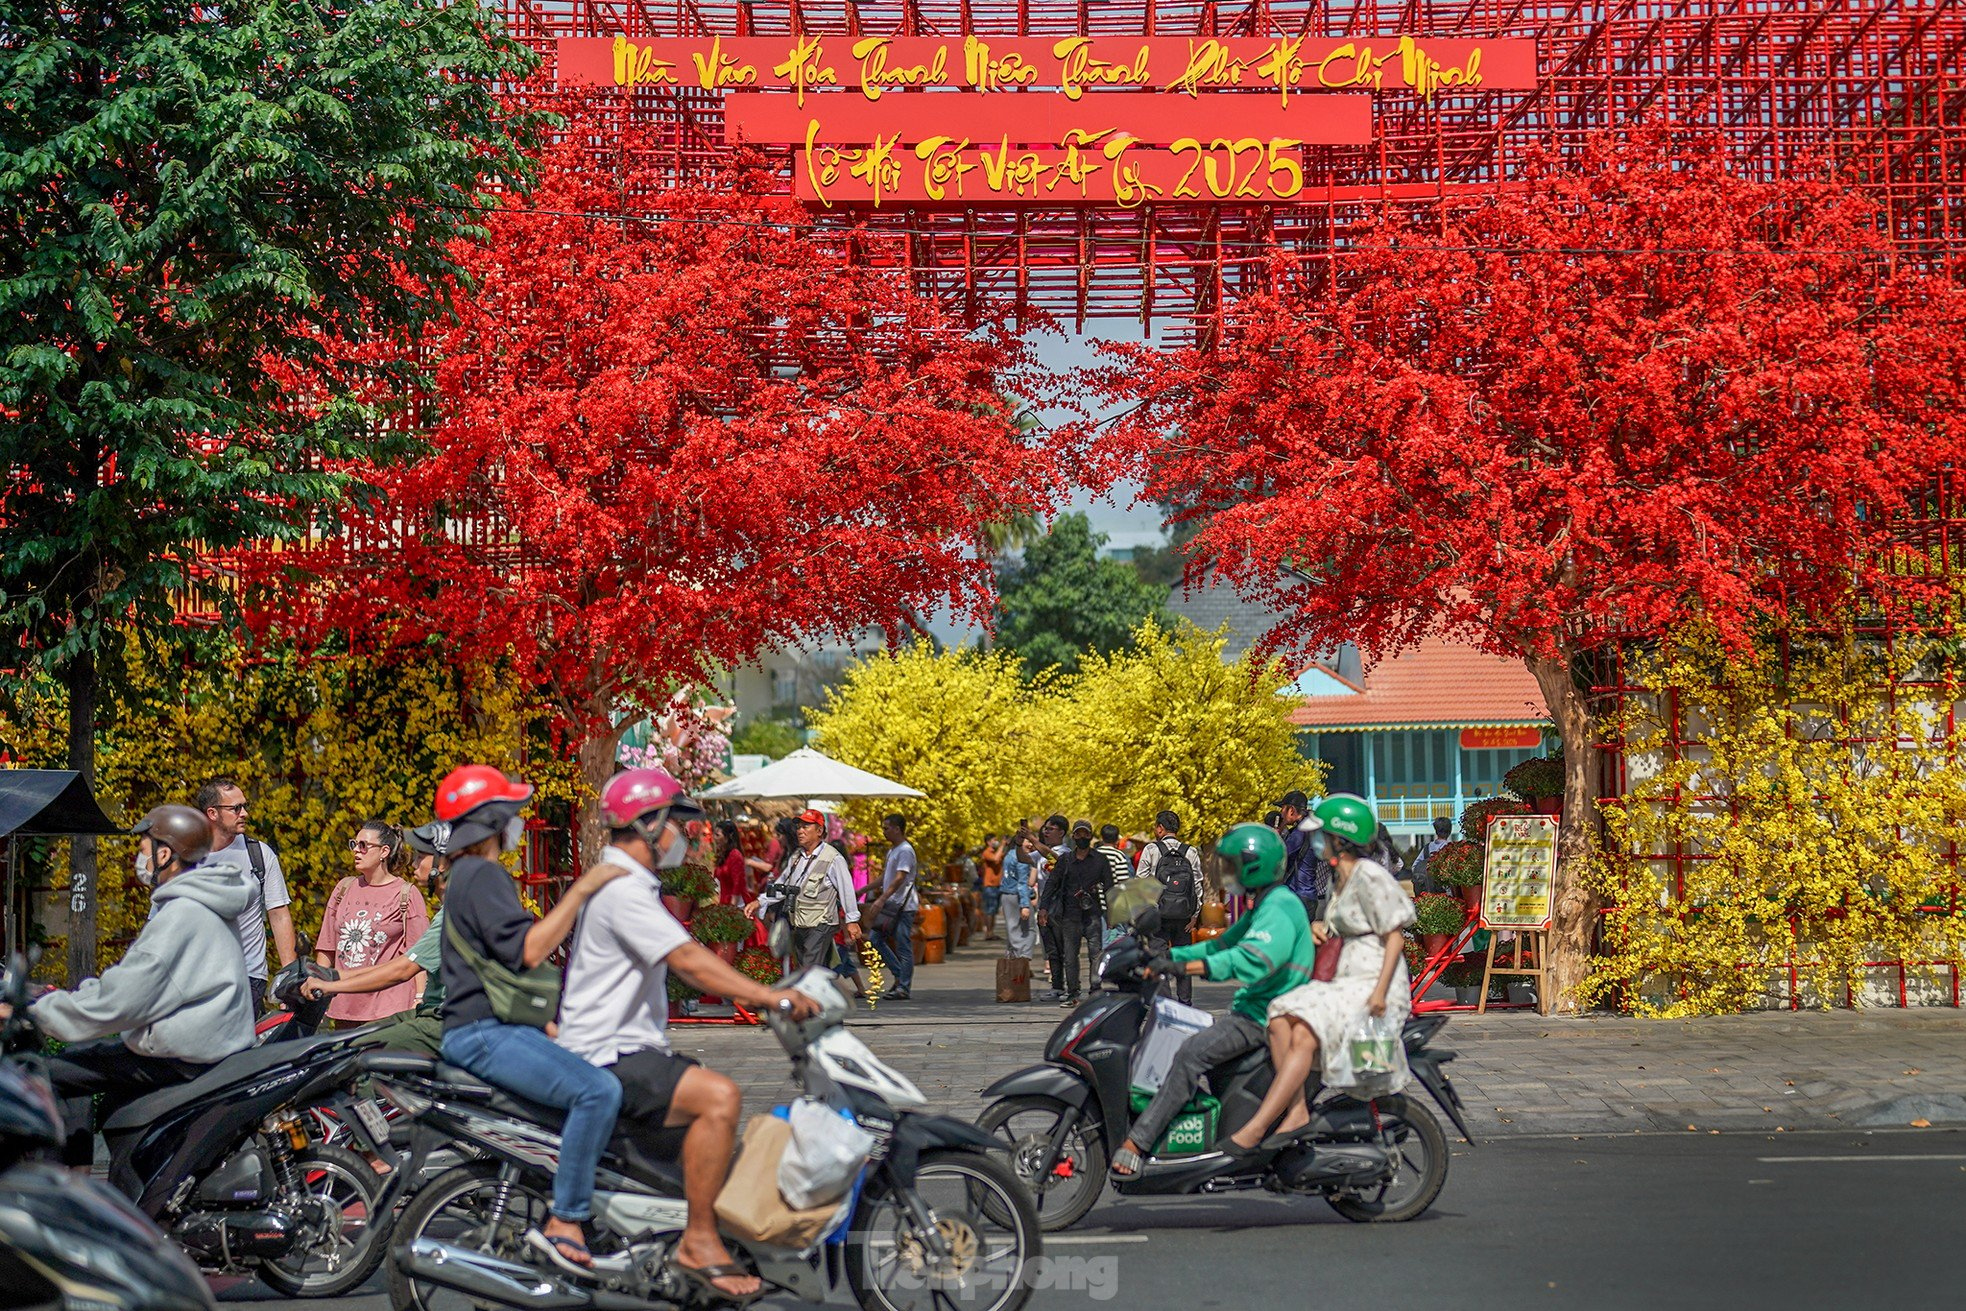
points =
(1269, 951)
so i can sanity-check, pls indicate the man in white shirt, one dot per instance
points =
(224, 803)
(819, 887)
(614, 1012)
(898, 899)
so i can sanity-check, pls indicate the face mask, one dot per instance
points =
(145, 874)
(675, 849)
(1082, 843)
(515, 828)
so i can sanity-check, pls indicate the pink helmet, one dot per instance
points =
(634, 794)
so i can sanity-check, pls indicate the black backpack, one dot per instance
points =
(1178, 902)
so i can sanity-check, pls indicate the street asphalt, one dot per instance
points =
(1641, 1220)
(1777, 1160)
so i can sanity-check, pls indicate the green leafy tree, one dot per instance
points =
(1171, 725)
(1065, 601)
(765, 736)
(211, 217)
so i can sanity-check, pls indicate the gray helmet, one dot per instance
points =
(184, 830)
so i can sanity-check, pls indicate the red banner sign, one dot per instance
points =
(879, 65)
(1104, 168)
(1043, 120)
(1501, 739)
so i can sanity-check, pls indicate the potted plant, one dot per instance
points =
(1437, 918)
(682, 997)
(1539, 781)
(758, 965)
(1464, 976)
(1460, 866)
(1474, 820)
(684, 886)
(721, 928)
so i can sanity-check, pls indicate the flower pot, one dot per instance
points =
(726, 951)
(678, 907)
(934, 951)
(1433, 944)
(1467, 994)
(1547, 806)
(1214, 915)
(1470, 896)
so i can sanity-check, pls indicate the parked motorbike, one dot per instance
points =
(225, 1165)
(69, 1242)
(934, 1221)
(1374, 1161)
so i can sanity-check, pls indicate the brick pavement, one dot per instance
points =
(1518, 1073)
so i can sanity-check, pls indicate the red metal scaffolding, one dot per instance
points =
(1874, 81)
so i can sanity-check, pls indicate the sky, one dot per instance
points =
(1116, 514)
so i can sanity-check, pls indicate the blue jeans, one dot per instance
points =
(526, 1063)
(898, 951)
(992, 898)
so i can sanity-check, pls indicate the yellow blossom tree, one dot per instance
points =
(1170, 724)
(1785, 813)
(319, 744)
(960, 726)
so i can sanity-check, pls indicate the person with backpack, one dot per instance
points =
(225, 808)
(1178, 867)
(373, 917)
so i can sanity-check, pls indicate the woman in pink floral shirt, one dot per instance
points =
(373, 916)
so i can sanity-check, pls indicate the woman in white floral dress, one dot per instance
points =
(1368, 910)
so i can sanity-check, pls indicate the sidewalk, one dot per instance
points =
(1519, 1073)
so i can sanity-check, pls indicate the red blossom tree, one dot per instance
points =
(675, 425)
(1626, 389)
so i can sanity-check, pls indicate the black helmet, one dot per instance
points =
(432, 839)
(180, 828)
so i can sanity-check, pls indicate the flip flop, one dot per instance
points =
(704, 1277)
(1129, 1158)
(1276, 1142)
(558, 1249)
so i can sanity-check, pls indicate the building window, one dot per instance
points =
(1413, 775)
(1482, 771)
(784, 687)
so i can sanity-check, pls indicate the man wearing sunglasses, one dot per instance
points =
(225, 807)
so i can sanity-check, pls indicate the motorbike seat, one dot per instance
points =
(213, 1084)
(1243, 1066)
(386, 1062)
(463, 1083)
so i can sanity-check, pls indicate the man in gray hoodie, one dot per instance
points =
(179, 998)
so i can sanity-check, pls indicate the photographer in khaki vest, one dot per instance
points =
(818, 888)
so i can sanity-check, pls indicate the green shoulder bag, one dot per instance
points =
(530, 997)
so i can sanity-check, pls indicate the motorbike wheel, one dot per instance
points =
(1029, 1125)
(988, 1266)
(346, 1240)
(456, 1207)
(1422, 1149)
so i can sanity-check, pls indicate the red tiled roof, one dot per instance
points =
(1435, 684)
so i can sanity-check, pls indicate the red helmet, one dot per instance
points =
(634, 794)
(468, 787)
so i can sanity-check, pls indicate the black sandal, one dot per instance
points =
(704, 1276)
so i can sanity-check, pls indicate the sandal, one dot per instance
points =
(560, 1250)
(1126, 1164)
(705, 1277)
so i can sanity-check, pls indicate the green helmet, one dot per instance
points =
(1254, 854)
(1348, 817)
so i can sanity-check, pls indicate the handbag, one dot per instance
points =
(530, 997)
(1324, 967)
(887, 916)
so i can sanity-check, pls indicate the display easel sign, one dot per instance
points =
(1517, 885)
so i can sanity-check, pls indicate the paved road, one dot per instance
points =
(1795, 1220)
(1676, 1189)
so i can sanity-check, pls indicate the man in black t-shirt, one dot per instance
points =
(1073, 903)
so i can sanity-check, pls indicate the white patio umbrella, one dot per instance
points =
(808, 774)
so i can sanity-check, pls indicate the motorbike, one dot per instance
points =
(225, 1165)
(933, 1220)
(1377, 1161)
(69, 1242)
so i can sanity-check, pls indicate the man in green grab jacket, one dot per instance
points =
(1269, 951)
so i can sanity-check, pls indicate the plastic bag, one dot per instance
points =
(1170, 1025)
(1370, 1061)
(826, 1152)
